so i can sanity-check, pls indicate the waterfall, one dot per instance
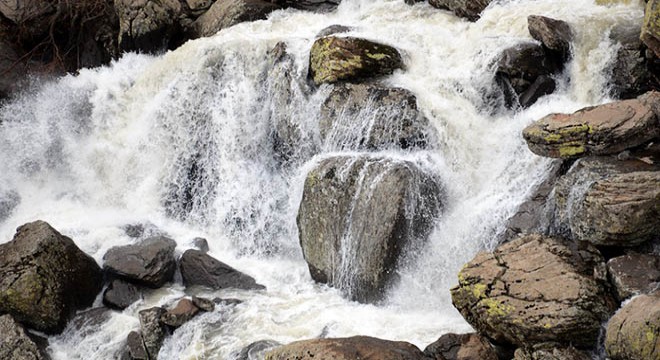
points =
(185, 141)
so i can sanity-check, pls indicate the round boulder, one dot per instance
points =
(357, 347)
(45, 278)
(150, 263)
(633, 333)
(535, 289)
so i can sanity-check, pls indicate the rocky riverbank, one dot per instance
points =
(578, 266)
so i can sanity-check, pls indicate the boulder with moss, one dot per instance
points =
(633, 333)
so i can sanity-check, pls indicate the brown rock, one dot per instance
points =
(533, 290)
(598, 130)
(550, 352)
(357, 347)
(469, 9)
(460, 347)
(633, 333)
(182, 312)
(634, 274)
(226, 13)
(555, 35)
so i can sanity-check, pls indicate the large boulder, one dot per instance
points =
(147, 26)
(598, 130)
(469, 9)
(356, 217)
(198, 268)
(16, 343)
(150, 263)
(535, 289)
(153, 331)
(634, 274)
(45, 278)
(366, 116)
(555, 35)
(226, 13)
(460, 347)
(633, 333)
(335, 59)
(651, 28)
(607, 201)
(357, 347)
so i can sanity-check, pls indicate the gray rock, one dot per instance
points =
(45, 278)
(634, 331)
(333, 29)
(135, 349)
(460, 347)
(469, 9)
(153, 332)
(527, 61)
(13, 71)
(9, 200)
(121, 294)
(16, 343)
(147, 26)
(257, 350)
(226, 13)
(357, 216)
(534, 290)
(634, 274)
(201, 269)
(201, 244)
(550, 351)
(555, 35)
(22, 11)
(366, 116)
(317, 6)
(203, 304)
(150, 263)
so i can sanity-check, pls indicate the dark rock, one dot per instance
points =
(598, 130)
(543, 85)
(460, 347)
(147, 26)
(358, 214)
(333, 29)
(555, 35)
(45, 278)
(121, 294)
(317, 6)
(13, 70)
(201, 244)
(357, 347)
(226, 13)
(181, 314)
(634, 274)
(334, 59)
(9, 199)
(534, 290)
(256, 350)
(550, 352)
(634, 331)
(631, 73)
(16, 343)
(201, 269)
(469, 9)
(227, 302)
(203, 304)
(365, 116)
(527, 61)
(153, 332)
(134, 230)
(150, 263)
(135, 347)
(90, 320)
(651, 27)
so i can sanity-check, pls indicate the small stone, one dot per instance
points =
(201, 244)
(203, 304)
(182, 313)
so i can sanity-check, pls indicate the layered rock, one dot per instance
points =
(598, 130)
(45, 277)
(460, 347)
(469, 9)
(365, 116)
(198, 268)
(16, 344)
(651, 27)
(356, 217)
(633, 333)
(223, 14)
(147, 26)
(533, 290)
(335, 59)
(634, 274)
(357, 347)
(150, 263)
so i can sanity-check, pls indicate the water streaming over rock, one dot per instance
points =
(190, 142)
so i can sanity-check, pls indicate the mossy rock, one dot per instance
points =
(633, 333)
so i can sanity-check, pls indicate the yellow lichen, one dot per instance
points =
(496, 308)
(479, 291)
(571, 149)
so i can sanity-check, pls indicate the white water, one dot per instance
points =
(94, 152)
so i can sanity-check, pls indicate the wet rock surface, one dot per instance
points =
(634, 331)
(184, 310)
(198, 268)
(223, 14)
(634, 274)
(357, 347)
(121, 294)
(357, 216)
(45, 277)
(651, 26)
(150, 262)
(469, 9)
(153, 332)
(460, 347)
(16, 344)
(535, 289)
(135, 349)
(147, 26)
(555, 35)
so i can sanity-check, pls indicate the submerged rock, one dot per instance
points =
(121, 294)
(598, 130)
(16, 343)
(203, 304)
(366, 116)
(460, 347)
(651, 27)
(535, 289)
(184, 310)
(226, 13)
(634, 274)
(198, 268)
(257, 350)
(357, 347)
(469, 9)
(45, 278)
(334, 59)
(634, 331)
(150, 263)
(357, 216)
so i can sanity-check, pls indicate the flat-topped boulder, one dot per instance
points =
(356, 347)
(201, 269)
(45, 278)
(534, 290)
(150, 262)
(633, 333)
(334, 59)
(597, 130)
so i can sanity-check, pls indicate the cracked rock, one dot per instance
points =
(536, 289)
(634, 331)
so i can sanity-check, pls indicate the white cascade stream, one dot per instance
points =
(93, 152)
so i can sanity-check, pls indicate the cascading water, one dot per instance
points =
(184, 141)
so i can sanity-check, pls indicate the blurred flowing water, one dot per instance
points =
(184, 142)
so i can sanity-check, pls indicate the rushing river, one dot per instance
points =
(113, 146)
